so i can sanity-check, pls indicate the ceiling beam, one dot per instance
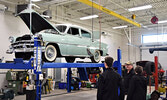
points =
(99, 7)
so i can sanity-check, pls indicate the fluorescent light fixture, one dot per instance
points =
(35, 0)
(145, 27)
(163, 21)
(140, 8)
(119, 27)
(89, 17)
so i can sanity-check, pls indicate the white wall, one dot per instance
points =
(131, 52)
(136, 53)
(114, 42)
(9, 26)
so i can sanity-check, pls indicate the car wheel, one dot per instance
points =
(70, 59)
(96, 58)
(50, 53)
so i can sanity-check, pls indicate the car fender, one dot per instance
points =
(61, 47)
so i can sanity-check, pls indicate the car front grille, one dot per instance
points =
(23, 44)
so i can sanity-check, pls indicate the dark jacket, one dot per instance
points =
(138, 88)
(127, 78)
(108, 85)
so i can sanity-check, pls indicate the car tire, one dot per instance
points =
(97, 57)
(70, 59)
(50, 53)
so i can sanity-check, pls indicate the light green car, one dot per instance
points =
(62, 40)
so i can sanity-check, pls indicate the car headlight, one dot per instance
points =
(11, 39)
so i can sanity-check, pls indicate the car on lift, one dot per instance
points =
(61, 40)
(148, 66)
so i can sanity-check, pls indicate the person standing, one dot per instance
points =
(129, 73)
(109, 82)
(138, 86)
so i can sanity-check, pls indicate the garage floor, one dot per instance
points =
(83, 94)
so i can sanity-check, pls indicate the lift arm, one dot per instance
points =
(99, 7)
(17, 64)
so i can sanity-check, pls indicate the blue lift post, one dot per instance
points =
(69, 80)
(117, 63)
(37, 66)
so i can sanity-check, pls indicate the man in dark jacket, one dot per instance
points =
(129, 72)
(138, 86)
(109, 82)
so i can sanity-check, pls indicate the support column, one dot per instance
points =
(37, 66)
(156, 72)
(69, 80)
(119, 61)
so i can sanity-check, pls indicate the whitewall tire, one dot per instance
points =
(96, 57)
(50, 53)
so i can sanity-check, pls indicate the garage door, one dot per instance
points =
(150, 57)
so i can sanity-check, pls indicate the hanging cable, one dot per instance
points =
(157, 40)
(92, 23)
(99, 26)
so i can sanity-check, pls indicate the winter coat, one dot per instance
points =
(137, 88)
(108, 85)
(127, 78)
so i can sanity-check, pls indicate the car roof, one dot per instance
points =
(72, 25)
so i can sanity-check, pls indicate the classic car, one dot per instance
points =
(61, 40)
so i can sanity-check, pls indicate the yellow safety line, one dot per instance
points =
(99, 7)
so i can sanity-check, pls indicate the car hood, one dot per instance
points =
(38, 22)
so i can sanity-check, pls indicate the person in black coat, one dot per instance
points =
(109, 82)
(128, 74)
(138, 86)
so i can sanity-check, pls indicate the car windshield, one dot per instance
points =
(61, 28)
(50, 31)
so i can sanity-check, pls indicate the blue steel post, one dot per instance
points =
(37, 66)
(119, 61)
(69, 80)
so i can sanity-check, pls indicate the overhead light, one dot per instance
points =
(120, 27)
(35, 0)
(144, 26)
(140, 8)
(163, 21)
(89, 17)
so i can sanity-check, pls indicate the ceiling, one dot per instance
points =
(74, 10)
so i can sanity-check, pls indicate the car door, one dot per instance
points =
(75, 46)
(50, 36)
(86, 40)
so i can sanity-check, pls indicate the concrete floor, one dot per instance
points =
(83, 94)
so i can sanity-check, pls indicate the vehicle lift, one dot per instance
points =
(36, 65)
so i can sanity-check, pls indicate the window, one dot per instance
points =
(85, 34)
(154, 38)
(73, 31)
(61, 28)
(53, 31)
